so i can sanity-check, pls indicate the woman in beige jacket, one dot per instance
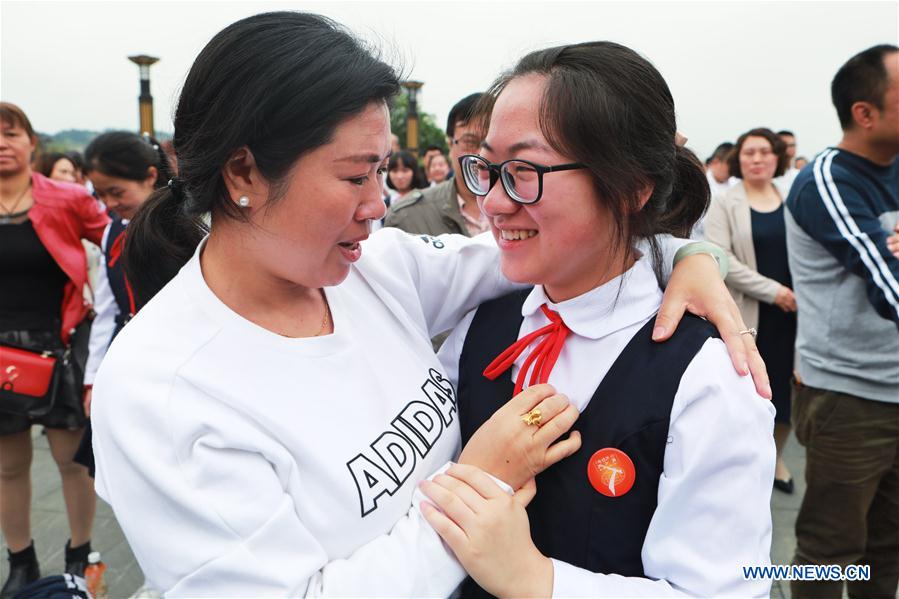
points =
(747, 221)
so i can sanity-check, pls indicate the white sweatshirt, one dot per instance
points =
(713, 514)
(242, 463)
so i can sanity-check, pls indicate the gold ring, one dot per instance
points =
(532, 418)
(750, 331)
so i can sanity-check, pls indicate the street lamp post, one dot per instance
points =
(145, 101)
(412, 88)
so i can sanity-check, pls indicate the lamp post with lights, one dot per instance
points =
(412, 88)
(145, 101)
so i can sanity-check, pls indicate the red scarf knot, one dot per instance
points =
(542, 358)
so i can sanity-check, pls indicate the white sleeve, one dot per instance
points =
(453, 274)
(103, 325)
(207, 507)
(450, 274)
(451, 350)
(668, 246)
(713, 515)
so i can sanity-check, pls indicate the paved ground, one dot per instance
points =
(50, 529)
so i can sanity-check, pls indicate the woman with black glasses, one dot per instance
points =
(669, 492)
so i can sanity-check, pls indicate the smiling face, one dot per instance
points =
(438, 168)
(564, 241)
(310, 235)
(122, 196)
(758, 161)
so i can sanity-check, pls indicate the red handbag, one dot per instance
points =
(28, 380)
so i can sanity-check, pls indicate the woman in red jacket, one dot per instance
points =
(43, 273)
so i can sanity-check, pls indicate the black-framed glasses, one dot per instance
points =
(467, 142)
(522, 179)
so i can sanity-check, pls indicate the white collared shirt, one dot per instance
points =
(713, 514)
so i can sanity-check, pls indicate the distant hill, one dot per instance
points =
(77, 139)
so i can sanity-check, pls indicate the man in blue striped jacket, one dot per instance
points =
(841, 210)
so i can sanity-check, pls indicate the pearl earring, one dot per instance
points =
(244, 201)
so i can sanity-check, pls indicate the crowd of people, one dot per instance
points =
(306, 361)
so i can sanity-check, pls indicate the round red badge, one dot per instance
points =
(611, 472)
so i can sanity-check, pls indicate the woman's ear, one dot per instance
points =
(150, 179)
(243, 179)
(644, 196)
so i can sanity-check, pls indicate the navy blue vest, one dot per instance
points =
(630, 410)
(116, 276)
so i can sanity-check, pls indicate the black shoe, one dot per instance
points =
(76, 558)
(785, 486)
(23, 570)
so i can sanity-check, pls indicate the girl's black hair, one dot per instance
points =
(405, 158)
(609, 108)
(127, 155)
(278, 83)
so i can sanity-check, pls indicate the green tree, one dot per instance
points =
(429, 134)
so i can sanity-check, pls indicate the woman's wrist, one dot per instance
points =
(537, 581)
(704, 247)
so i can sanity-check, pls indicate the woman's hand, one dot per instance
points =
(515, 452)
(785, 299)
(489, 532)
(696, 285)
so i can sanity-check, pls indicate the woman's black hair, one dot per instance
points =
(777, 146)
(277, 83)
(77, 159)
(405, 158)
(127, 155)
(47, 161)
(609, 108)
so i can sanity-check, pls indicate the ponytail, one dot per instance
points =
(689, 196)
(161, 238)
(164, 168)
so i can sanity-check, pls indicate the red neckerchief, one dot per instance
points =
(543, 357)
(115, 252)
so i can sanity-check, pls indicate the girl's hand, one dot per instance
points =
(696, 285)
(515, 452)
(489, 532)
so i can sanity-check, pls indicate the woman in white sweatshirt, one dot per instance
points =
(261, 424)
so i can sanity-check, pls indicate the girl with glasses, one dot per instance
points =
(260, 426)
(669, 492)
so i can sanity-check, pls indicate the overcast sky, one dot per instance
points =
(730, 65)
